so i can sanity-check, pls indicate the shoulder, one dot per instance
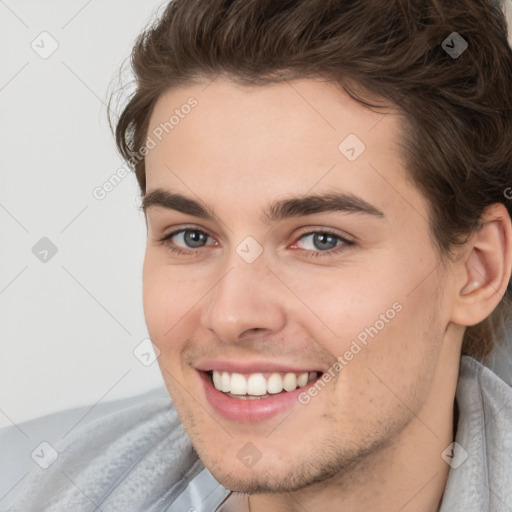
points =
(480, 386)
(123, 455)
(480, 477)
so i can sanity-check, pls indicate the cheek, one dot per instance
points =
(387, 365)
(169, 299)
(341, 304)
(168, 303)
(377, 322)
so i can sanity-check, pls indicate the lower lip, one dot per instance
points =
(249, 411)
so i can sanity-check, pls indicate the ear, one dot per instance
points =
(484, 271)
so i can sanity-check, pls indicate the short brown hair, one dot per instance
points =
(458, 144)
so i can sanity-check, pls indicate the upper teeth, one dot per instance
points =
(256, 383)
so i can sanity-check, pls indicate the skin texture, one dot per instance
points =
(371, 439)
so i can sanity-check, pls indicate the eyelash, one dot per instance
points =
(312, 254)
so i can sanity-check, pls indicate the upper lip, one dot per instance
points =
(246, 367)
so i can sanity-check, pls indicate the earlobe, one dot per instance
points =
(486, 268)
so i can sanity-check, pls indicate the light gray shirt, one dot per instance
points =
(134, 455)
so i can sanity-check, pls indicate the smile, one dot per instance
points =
(251, 396)
(255, 386)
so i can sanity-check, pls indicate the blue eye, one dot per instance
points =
(322, 243)
(193, 238)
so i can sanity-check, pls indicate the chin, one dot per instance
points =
(255, 481)
(267, 477)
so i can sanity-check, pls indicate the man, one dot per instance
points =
(327, 266)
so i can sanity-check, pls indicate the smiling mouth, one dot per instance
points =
(255, 386)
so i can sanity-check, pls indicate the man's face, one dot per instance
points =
(254, 292)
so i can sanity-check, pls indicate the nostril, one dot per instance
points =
(249, 332)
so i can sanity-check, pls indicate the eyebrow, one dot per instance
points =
(296, 206)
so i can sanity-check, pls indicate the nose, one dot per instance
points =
(248, 300)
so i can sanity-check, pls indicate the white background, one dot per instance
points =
(68, 326)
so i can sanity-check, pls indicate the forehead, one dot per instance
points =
(296, 136)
